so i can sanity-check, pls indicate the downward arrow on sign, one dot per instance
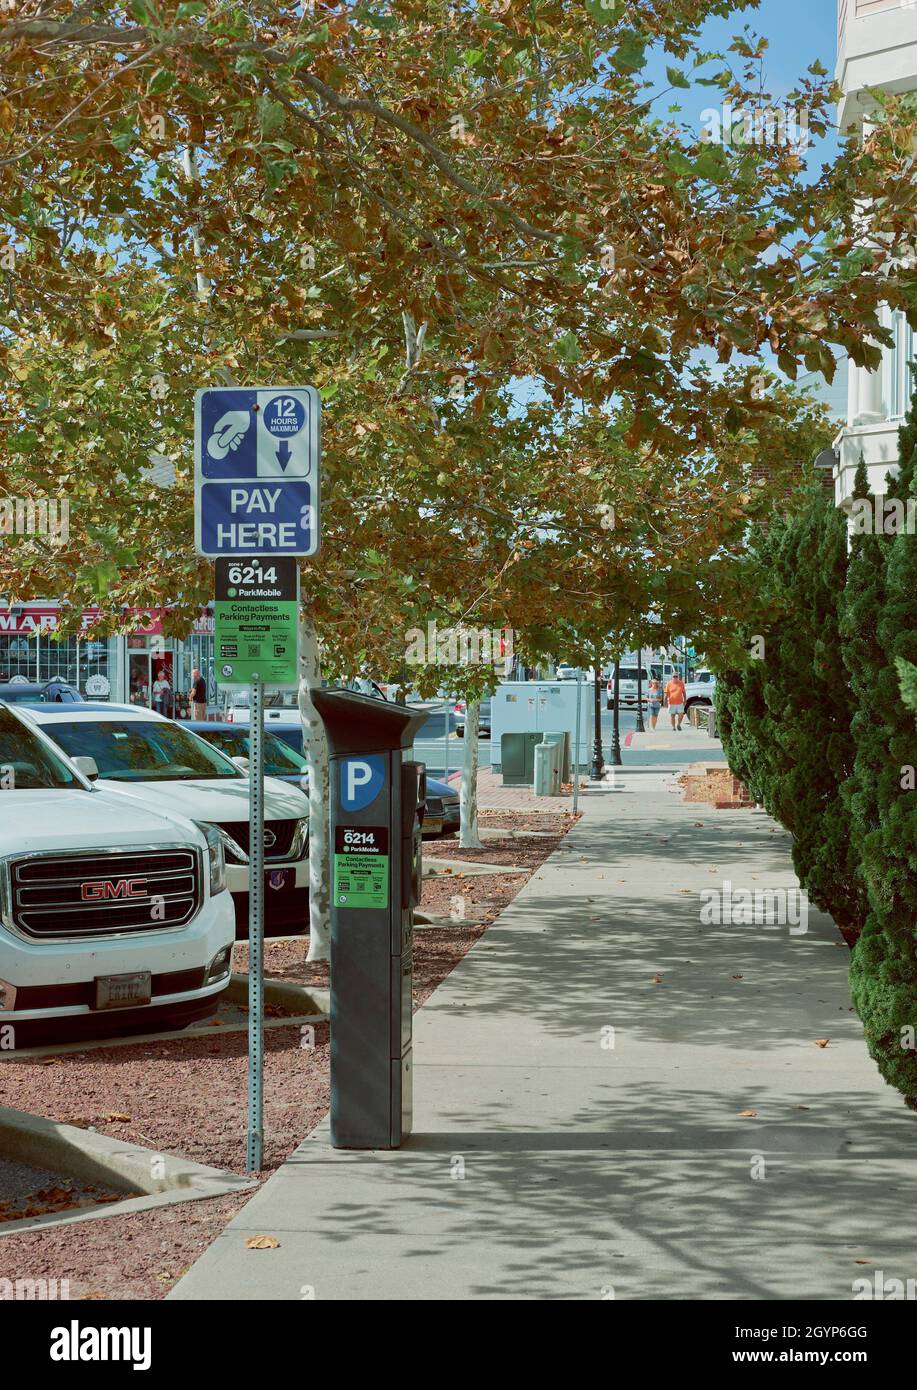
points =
(283, 453)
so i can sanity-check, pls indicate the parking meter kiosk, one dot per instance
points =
(377, 799)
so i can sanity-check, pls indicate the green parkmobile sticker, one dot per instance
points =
(256, 620)
(361, 866)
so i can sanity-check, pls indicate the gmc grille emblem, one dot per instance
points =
(98, 889)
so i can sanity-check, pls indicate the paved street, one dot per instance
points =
(714, 1151)
(663, 748)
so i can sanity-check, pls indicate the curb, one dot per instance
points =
(303, 999)
(106, 1162)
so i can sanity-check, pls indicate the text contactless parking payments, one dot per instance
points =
(256, 621)
(256, 470)
(376, 805)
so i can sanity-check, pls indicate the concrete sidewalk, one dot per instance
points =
(547, 1164)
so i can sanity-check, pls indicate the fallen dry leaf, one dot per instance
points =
(116, 1115)
(262, 1243)
(822, 1042)
(656, 980)
(747, 1114)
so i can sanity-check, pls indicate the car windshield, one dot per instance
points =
(27, 763)
(629, 673)
(141, 750)
(288, 734)
(280, 760)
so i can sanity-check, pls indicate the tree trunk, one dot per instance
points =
(468, 834)
(315, 747)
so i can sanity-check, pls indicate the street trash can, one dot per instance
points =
(547, 768)
(563, 740)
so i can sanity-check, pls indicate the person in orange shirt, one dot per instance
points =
(675, 699)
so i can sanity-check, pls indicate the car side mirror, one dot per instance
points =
(240, 762)
(88, 766)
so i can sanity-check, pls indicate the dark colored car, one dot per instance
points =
(281, 759)
(460, 709)
(38, 693)
(441, 810)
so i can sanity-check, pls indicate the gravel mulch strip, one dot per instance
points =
(28, 1191)
(187, 1096)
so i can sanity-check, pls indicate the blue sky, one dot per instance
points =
(799, 32)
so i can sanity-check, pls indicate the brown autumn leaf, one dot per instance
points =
(747, 1114)
(822, 1042)
(262, 1243)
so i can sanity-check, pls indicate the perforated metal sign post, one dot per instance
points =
(256, 639)
(377, 801)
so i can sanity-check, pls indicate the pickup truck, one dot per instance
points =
(114, 917)
(627, 686)
(701, 690)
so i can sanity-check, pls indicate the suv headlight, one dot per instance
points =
(300, 845)
(215, 855)
(233, 852)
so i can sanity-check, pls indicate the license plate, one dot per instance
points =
(279, 880)
(123, 991)
(432, 825)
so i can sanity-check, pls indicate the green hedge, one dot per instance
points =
(883, 971)
(822, 731)
(785, 716)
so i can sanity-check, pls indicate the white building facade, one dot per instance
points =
(876, 47)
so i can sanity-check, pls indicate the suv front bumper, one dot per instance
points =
(54, 981)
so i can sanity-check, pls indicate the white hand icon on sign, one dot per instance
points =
(228, 433)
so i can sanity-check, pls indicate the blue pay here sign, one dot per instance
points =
(256, 470)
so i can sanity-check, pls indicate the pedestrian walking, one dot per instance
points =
(675, 699)
(653, 701)
(162, 694)
(198, 694)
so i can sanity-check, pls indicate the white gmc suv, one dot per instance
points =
(137, 755)
(114, 917)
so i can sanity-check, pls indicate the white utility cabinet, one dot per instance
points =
(547, 707)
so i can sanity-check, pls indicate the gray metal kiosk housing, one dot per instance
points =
(376, 795)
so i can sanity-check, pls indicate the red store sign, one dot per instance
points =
(28, 619)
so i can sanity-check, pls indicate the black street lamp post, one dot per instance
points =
(640, 725)
(598, 762)
(616, 758)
